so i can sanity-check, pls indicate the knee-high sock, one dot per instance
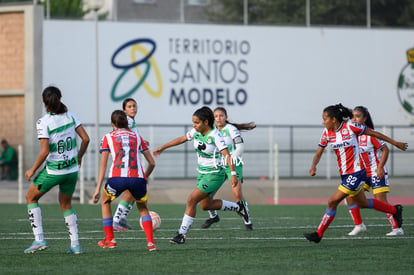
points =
(108, 228)
(35, 218)
(326, 221)
(71, 221)
(186, 224)
(355, 214)
(147, 225)
(122, 207)
(130, 206)
(381, 206)
(229, 206)
(391, 220)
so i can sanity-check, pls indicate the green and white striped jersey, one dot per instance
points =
(229, 133)
(232, 137)
(132, 125)
(60, 130)
(208, 148)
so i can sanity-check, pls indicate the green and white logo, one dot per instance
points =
(406, 84)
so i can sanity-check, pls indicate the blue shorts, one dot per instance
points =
(377, 185)
(137, 186)
(351, 183)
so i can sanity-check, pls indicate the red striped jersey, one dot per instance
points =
(370, 147)
(124, 146)
(344, 142)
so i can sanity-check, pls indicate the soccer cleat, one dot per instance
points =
(249, 227)
(210, 221)
(151, 246)
(75, 250)
(124, 223)
(179, 239)
(36, 246)
(396, 232)
(398, 215)
(107, 243)
(243, 211)
(312, 237)
(358, 229)
(120, 227)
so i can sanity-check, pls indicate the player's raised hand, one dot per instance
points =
(402, 145)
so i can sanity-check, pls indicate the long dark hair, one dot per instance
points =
(366, 115)
(119, 119)
(51, 98)
(240, 126)
(338, 111)
(205, 113)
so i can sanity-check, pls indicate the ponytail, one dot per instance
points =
(338, 111)
(51, 98)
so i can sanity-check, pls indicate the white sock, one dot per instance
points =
(119, 213)
(126, 212)
(229, 206)
(186, 224)
(71, 222)
(212, 213)
(35, 218)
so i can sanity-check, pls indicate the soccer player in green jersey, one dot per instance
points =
(57, 131)
(211, 149)
(232, 137)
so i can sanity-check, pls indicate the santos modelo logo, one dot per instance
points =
(129, 51)
(406, 84)
(208, 71)
(199, 71)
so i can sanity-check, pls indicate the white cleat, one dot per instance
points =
(396, 232)
(358, 229)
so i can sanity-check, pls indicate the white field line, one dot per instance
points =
(225, 238)
(272, 218)
(62, 235)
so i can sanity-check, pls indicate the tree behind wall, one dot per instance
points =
(58, 8)
(384, 13)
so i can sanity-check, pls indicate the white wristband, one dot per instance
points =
(233, 173)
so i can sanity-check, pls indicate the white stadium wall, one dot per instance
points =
(270, 75)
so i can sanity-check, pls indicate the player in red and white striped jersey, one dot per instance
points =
(343, 136)
(344, 145)
(125, 205)
(376, 171)
(126, 173)
(123, 145)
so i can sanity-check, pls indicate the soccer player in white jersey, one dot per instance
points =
(57, 131)
(125, 205)
(343, 136)
(126, 173)
(376, 172)
(208, 143)
(233, 139)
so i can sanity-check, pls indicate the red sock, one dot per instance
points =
(392, 221)
(109, 232)
(381, 206)
(325, 222)
(355, 214)
(147, 225)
